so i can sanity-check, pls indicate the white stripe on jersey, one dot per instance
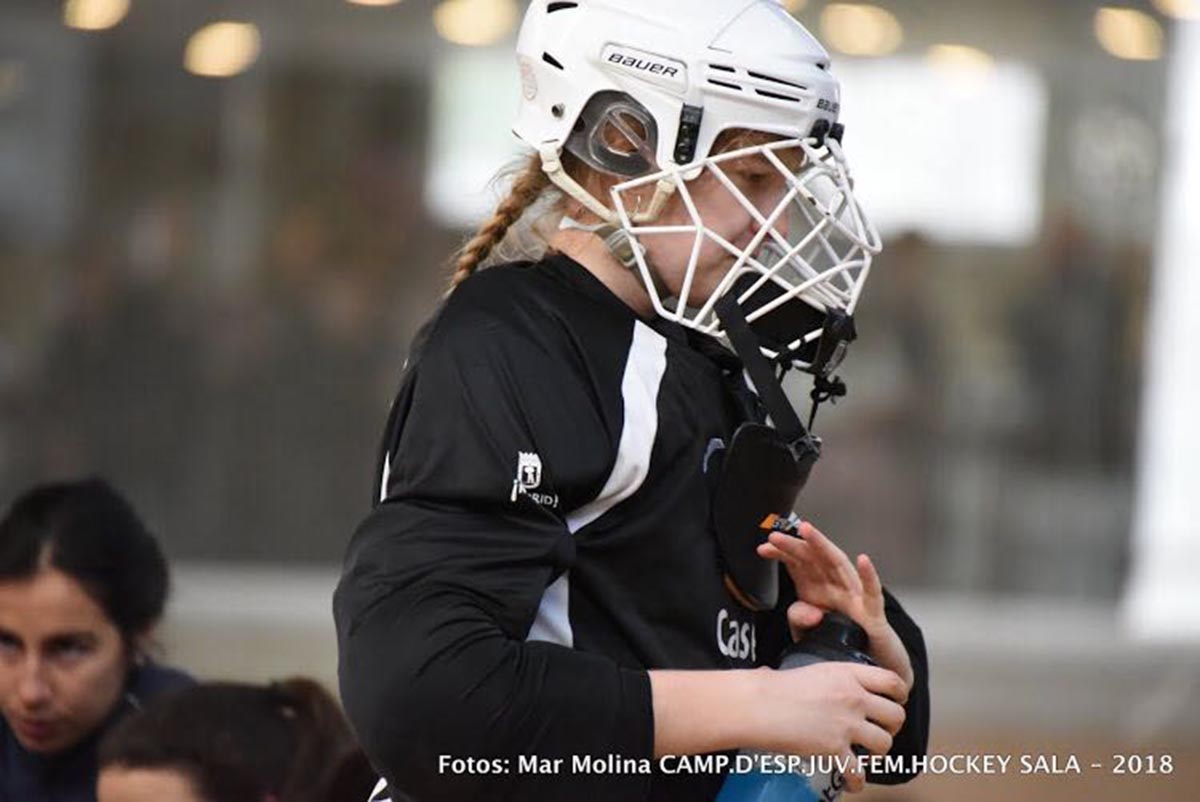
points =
(379, 792)
(644, 370)
(551, 624)
(387, 475)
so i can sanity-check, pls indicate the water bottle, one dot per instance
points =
(768, 779)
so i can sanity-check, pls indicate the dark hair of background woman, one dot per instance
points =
(242, 743)
(58, 526)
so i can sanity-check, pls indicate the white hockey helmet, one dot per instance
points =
(672, 75)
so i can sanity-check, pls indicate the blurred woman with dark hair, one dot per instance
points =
(82, 585)
(232, 742)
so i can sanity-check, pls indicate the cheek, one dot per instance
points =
(720, 213)
(90, 688)
(8, 686)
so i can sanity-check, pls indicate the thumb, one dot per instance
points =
(801, 616)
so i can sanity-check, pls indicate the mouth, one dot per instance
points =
(745, 238)
(34, 732)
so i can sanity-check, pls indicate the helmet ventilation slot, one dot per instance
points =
(774, 89)
(775, 80)
(776, 95)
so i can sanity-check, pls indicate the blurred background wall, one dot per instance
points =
(216, 241)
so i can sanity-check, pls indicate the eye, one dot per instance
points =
(71, 648)
(761, 183)
(10, 644)
(756, 171)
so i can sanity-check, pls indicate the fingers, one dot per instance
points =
(784, 547)
(873, 738)
(869, 576)
(769, 552)
(873, 601)
(802, 615)
(886, 713)
(818, 541)
(817, 552)
(855, 781)
(807, 543)
(881, 681)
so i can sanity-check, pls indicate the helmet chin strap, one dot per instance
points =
(623, 247)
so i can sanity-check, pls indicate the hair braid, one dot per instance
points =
(526, 189)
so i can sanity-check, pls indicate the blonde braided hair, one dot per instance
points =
(527, 188)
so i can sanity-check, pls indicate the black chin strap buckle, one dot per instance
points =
(824, 389)
(827, 389)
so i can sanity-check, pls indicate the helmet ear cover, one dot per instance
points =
(616, 135)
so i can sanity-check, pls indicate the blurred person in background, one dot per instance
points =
(122, 367)
(543, 556)
(1069, 334)
(233, 742)
(308, 355)
(82, 585)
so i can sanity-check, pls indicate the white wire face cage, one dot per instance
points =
(784, 283)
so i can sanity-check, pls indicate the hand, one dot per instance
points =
(825, 579)
(828, 708)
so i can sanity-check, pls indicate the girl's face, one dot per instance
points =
(63, 663)
(120, 784)
(720, 211)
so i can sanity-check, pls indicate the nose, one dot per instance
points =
(781, 220)
(33, 690)
(780, 225)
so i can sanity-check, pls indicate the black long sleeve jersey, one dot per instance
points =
(541, 539)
